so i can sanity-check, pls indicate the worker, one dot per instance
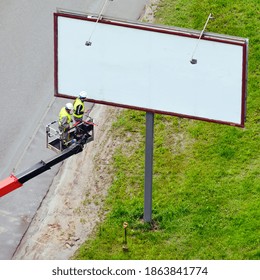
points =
(79, 107)
(79, 110)
(65, 122)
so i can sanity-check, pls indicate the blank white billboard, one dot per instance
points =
(147, 67)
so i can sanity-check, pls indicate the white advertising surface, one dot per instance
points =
(147, 67)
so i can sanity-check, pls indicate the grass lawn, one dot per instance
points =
(206, 182)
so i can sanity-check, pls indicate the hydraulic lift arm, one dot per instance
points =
(14, 182)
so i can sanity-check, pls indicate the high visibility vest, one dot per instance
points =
(64, 113)
(78, 113)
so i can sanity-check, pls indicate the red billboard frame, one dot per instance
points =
(161, 29)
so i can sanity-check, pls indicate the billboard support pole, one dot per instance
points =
(148, 182)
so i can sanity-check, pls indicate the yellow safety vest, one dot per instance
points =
(76, 103)
(64, 113)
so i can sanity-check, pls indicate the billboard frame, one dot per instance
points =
(211, 37)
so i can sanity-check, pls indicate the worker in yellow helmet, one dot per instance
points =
(79, 107)
(65, 121)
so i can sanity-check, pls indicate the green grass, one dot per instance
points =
(206, 181)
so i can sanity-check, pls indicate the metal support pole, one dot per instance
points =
(148, 167)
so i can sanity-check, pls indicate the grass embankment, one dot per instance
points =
(206, 176)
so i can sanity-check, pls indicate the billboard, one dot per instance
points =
(148, 67)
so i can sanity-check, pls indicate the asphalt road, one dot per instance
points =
(26, 90)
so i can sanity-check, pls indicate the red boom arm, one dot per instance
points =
(8, 185)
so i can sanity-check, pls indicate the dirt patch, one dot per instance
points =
(73, 205)
(150, 10)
